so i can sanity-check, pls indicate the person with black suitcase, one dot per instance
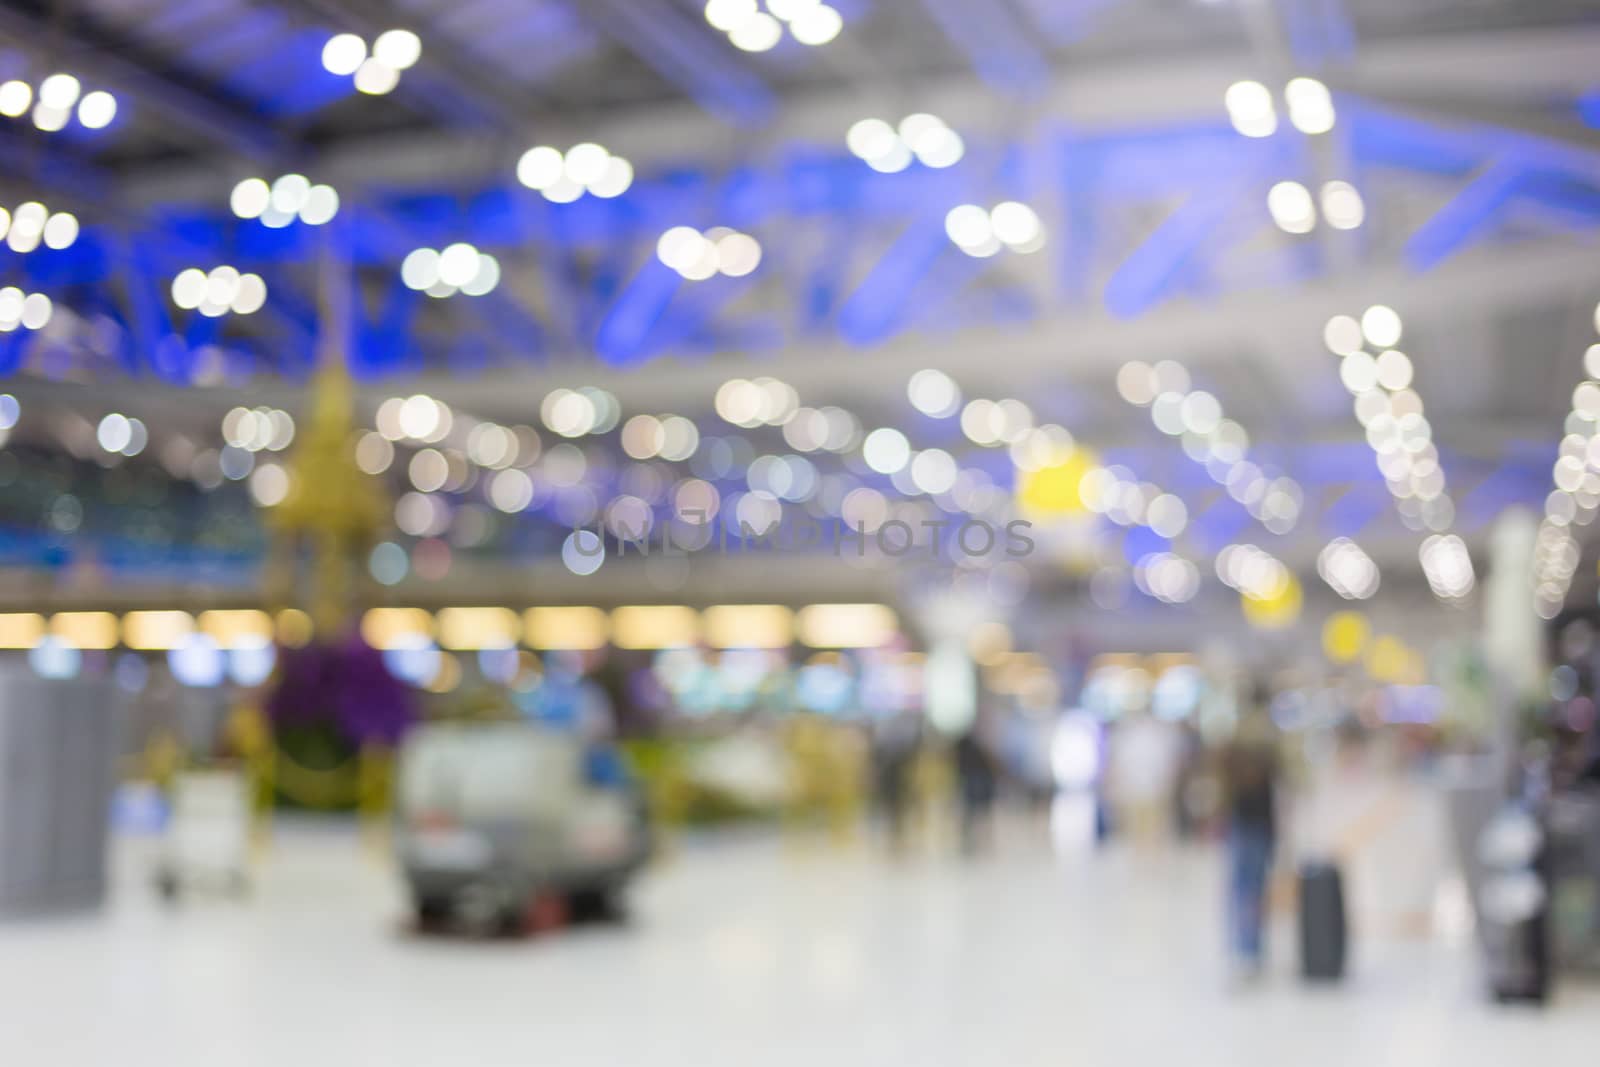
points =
(1250, 774)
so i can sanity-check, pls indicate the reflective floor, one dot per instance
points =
(744, 952)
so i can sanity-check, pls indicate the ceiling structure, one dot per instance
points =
(1469, 129)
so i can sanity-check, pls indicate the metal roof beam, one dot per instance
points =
(99, 57)
(682, 50)
(1089, 100)
(446, 82)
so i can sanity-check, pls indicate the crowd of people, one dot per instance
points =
(1150, 782)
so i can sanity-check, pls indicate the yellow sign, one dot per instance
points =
(1345, 636)
(1054, 491)
(1276, 610)
(1391, 660)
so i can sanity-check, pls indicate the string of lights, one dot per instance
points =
(1575, 499)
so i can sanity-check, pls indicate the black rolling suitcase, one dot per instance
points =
(1323, 934)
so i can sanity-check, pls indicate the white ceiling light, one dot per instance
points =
(1167, 515)
(698, 256)
(816, 25)
(614, 180)
(886, 450)
(1394, 370)
(114, 432)
(459, 268)
(36, 311)
(289, 193)
(16, 97)
(250, 198)
(31, 311)
(219, 291)
(810, 22)
(377, 72)
(376, 78)
(189, 288)
(895, 160)
(321, 205)
(939, 148)
(398, 49)
(97, 110)
(1310, 105)
(1291, 207)
(1347, 569)
(457, 264)
(725, 15)
(50, 119)
(738, 254)
(1447, 566)
(968, 225)
(1342, 205)
(983, 233)
(420, 269)
(59, 92)
(60, 230)
(1016, 224)
(934, 393)
(563, 178)
(486, 278)
(585, 162)
(250, 295)
(1358, 372)
(343, 54)
(921, 136)
(539, 167)
(1250, 109)
(1342, 335)
(869, 138)
(1381, 326)
(759, 32)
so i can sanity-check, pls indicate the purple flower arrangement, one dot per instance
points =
(345, 685)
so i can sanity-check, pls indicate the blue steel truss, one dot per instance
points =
(1137, 217)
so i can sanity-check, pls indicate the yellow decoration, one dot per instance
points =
(1054, 492)
(163, 755)
(294, 627)
(1345, 636)
(248, 731)
(1392, 661)
(1275, 611)
(324, 789)
(333, 507)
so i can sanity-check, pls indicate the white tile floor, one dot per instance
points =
(742, 953)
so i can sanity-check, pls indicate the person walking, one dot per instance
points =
(1250, 774)
(975, 769)
(896, 741)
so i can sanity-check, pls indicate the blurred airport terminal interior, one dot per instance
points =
(769, 531)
